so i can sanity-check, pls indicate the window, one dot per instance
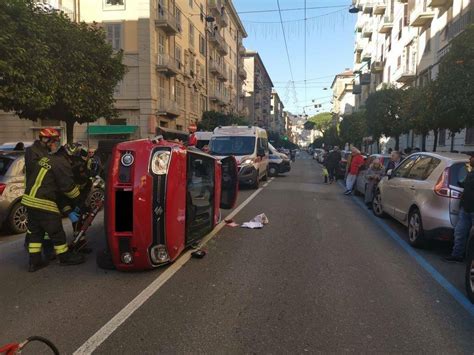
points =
(179, 127)
(201, 7)
(114, 5)
(442, 137)
(406, 16)
(191, 3)
(164, 124)
(400, 27)
(191, 35)
(178, 19)
(114, 35)
(177, 55)
(423, 168)
(404, 168)
(399, 61)
(202, 45)
(469, 136)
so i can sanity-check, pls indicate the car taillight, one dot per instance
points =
(442, 186)
(2, 188)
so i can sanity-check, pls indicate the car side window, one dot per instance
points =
(404, 168)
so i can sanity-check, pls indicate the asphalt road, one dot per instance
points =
(322, 276)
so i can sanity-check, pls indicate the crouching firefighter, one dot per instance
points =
(50, 177)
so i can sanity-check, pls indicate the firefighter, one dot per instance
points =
(33, 154)
(49, 177)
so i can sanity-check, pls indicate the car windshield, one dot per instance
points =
(4, 165)
(236, 145)
(457, 173)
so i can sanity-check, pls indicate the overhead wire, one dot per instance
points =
(280, 10)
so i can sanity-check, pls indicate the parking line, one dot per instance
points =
(440, 279)
(112, 325)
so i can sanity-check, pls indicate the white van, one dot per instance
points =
(203, 138)
(249, 146)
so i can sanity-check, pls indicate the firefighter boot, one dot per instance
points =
(71, 258)
(36, 262)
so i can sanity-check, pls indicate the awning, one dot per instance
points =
(111, 129)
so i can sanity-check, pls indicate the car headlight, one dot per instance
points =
(127, 159)
(160, 162)
(246, 161)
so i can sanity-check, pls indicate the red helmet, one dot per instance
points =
(49, 133)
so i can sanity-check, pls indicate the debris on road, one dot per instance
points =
(257, 222)
(198, 254)
(231, 223)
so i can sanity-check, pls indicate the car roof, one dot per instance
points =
(446, 156)
(14, 154)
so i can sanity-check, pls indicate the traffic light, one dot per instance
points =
(285, 138)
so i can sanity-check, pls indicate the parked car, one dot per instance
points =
(423, 193)
(470, 268)
(361, 183)
(9, 146)
(317, 152)
(12, 186)
(322, 156)
(279, 163)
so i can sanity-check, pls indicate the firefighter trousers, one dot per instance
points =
(40, 223)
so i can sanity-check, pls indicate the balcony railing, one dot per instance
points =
(215, 6)
(241, 49)
(242, 73)
(223, 20)
(368, 7)
(379, 7)
(406, 75)
(366, 54)
(377, 66)
(217, 97)
(166, 21)
(168, 65)
(215, 67)
(440, 3)
(421, 15)
(219, 42)
(168, 107)
(367, 30)
(387, 25)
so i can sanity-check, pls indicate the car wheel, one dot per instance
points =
(273, 170)
(415, 229)
(470, 276)
(17, 220)
(377, 205)
(95, 196)
(104, 260)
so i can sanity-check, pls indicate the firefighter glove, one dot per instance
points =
(74, 216)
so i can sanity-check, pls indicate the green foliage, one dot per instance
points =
(45, 76)
(321, 121)
(353, 128)
(213, 119)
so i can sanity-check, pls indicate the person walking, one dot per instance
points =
(357, 160)
(466, 215)
(332, 162)
(374, 174)
(49, 177)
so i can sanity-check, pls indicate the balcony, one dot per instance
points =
(387, 25)
(222, 76)
(223, 20)
(168, 108)
(421, 16)
(440, 3)
(356, 89)
(380, 7)
(367, 30)
(364, 79)
(368, 7)
(242, 73)
(366, 54)
(218, 97)
(166, 21)
(168, 65)
(406, 75)
(241, 49)
(219, 42)
(215, 68)
(377, 67)
(215, 7)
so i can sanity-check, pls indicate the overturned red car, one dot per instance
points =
(161, 198)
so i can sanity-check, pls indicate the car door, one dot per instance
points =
(391, 199)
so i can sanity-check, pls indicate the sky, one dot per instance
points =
(329, 47)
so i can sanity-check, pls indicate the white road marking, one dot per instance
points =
(112, 325)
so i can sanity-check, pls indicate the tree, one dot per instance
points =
(322, 121)
(455, 84)
(353, 128)
(213, 119)
(384, 115)
(74, 83)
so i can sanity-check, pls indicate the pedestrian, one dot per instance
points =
(466, 215)
(39, 149)
(48, 178)
(395, 160)
(374, 174)
(357, 161)
(332, 163)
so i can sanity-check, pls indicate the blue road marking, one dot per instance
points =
(440, 279)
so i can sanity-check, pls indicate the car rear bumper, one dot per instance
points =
(441, 233)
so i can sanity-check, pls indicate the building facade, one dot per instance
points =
(277, 121)
(257, 90)
(343, 98)
(183, 58)
(400, 43)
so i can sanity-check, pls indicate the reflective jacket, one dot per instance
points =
(50, 177)
(33, 154)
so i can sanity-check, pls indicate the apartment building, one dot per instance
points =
(343, 98)
(401, 43)
(257, 90)
(277, 122)
(183, 58)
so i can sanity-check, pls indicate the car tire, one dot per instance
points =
(273, 170)
(17, 219)
(104, 260)
(377, 208)
(416, 235)
(94, 197)
(470, 273)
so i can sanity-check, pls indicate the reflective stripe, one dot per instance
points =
(34, 250)
(60, 249)
(73, 193)
(38, 182)
(35, 245)
(39, 203)
(46, 236)
(66, 208)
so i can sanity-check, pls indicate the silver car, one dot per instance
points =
(423, 193)
(12, 186)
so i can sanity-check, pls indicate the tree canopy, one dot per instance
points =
(52, 68)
